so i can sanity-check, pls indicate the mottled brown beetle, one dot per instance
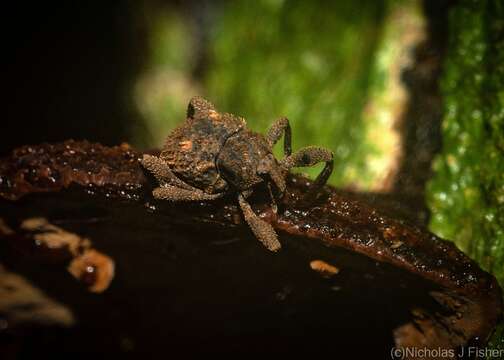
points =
(212, 154)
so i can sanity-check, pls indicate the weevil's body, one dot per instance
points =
(191, 149)
(212, 154)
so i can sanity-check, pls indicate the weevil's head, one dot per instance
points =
(246, 160)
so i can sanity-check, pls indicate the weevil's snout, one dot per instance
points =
(265, 164)
(269, 169)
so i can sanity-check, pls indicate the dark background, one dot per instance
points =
(66, 71)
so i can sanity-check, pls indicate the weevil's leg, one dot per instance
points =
(274, 206)
(279, 127)
(162, 172)
(261, 229)
(277, 174)
(309, 156)
(173, 193)
(198, 104)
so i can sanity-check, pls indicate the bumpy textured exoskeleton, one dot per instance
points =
(212, 154)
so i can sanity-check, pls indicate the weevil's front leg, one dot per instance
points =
(309, 156)
(261, 229)
(279, 127)
(162, 172)
(173, 193)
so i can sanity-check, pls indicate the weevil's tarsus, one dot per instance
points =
(261, 229)
(309, 156)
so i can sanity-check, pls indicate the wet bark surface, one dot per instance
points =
(191, 278)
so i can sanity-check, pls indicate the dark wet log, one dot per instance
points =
(437, 295)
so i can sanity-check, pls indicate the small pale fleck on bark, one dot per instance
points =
(323, 268)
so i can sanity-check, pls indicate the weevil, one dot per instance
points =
(214, 154)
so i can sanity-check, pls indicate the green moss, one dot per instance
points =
(466, 195)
